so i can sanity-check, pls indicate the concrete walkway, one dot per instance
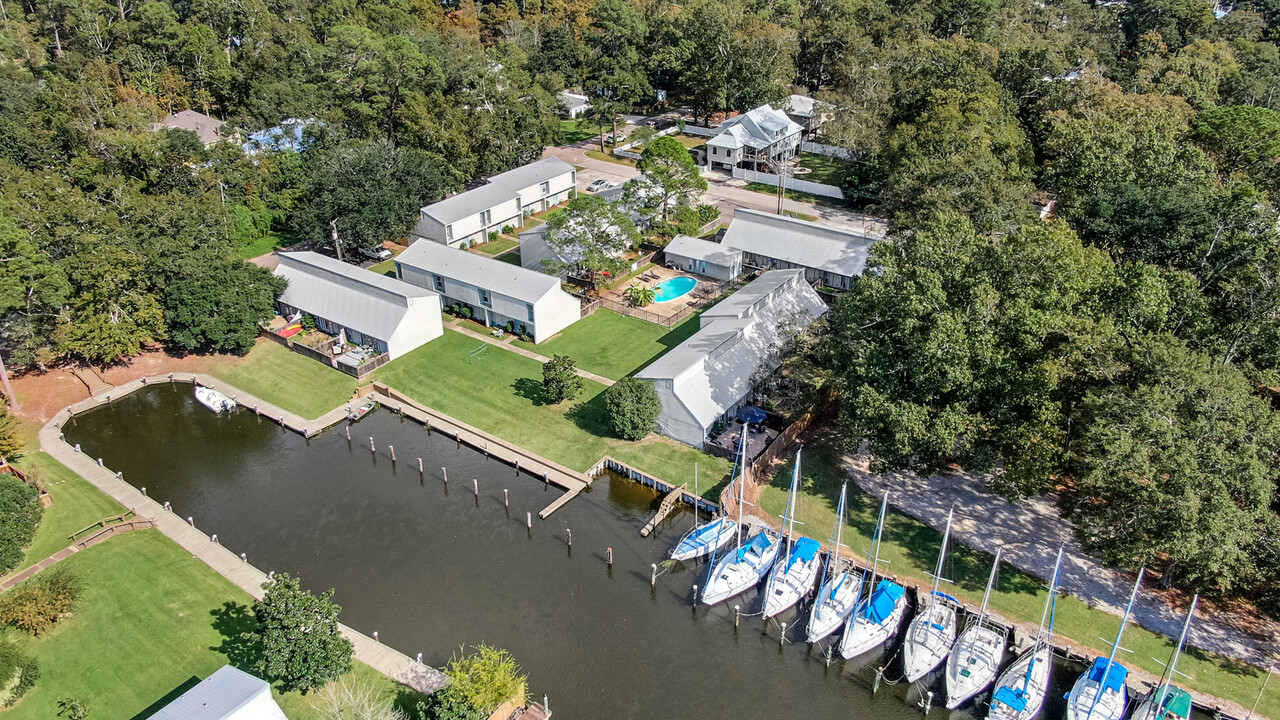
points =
(386, 660)
(507, 345)
(18, 578)
(1031, 532)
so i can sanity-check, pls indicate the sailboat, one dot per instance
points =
(839, 592)
(1101, 691)
(794, 576)
(933, 630)
(878, 615)
(708, 538)
(975, 658)
(1168, 701)
(740, 570)
(214, 400)
(1021, 688)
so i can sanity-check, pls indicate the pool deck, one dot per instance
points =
(667, 308)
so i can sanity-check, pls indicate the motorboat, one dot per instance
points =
(932, 631)
(1102, 692)
(1168, 701)
(978, 653)
(792, 578)
(214, 400)
(876, 617)
(362, 409)
(840, 590)
(1021, 688)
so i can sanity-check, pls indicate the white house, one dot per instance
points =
(709, 376)
(807, 112)
(704, 257)
(497, 293)
(754, 138)
(574, 105)
(829, 256)
(228, 694)
(370, 309)
(505, 199)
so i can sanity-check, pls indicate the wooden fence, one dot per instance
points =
(324, 354)
(760, 469)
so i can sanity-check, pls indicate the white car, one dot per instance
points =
(377, 252)
(599, 185)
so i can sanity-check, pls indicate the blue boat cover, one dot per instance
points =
(803, 551)
(1015, 699)
(945, 596)
(1115, 676)
(883, 600)
(760, 541)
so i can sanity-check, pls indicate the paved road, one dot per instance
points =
(726, 194)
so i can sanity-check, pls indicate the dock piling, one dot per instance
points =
(608, 558)
(120, 476)
(144, 490)
(569, 533)
(445, 472)
(653, 579)
(99, 462)
(167, 506)
(348, 429)
(244, 558)
(506, 500)
(191, 521)
(528, 520)
(392, 448)
(375, 636)
(928, 701)
(371, 445)
(475, 487)
(419, 466)
(782, 636)
(517, 467)
(737, 614)
(214, 538)
(695, 597)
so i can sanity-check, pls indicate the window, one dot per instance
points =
(485, 298)
(529, 307)
(448, 233)
(486, 217)
(545, 188)
(439, 284)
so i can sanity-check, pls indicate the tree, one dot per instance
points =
(560, 381)
(217, 306)
(591, 236)
(10, 440)
(670, 177)
(368, 192)
(1244, 138)
(600, 112)
(615, 63)
(302, 647)
(37, 604)
(485, 678)
(350, 699)
(641, 295)
(634, 407)
(19, 515)
(448, 704)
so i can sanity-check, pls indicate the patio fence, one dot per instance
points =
(805, 186)
(324, 355)
(828, 150)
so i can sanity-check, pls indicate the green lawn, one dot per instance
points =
(797, 196)
(511, 258)
(153, 621)
(825, 170)
(501, 392)
(597, 155)
(273, 240)
(574, 131)
(386, 267)
(76, 505)
(911, 548)
(499, 246)
(614, 345)
(281, 376)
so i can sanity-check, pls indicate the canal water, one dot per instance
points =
(432, 567)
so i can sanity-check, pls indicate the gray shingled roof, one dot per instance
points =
(216, 697)
(698, 249)
(365, 301)
(800, 242)
(494, 275)
(499, 188)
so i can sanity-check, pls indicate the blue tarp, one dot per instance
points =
(751, 414)
(883, 601)
(803, 551)
(1115, 676)
(760, 541)
(1013, 698)
(945, 596)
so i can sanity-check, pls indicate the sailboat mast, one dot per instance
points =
(1115, 647)
(695, 492)
(742, 479)
(791, 508)
(875, 541)
(942, 553)
(1053, 589)
(1182, 639)
(834, 560)
(991, 583)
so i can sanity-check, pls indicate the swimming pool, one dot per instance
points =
(674, 288)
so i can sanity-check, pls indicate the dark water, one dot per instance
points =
(432, 567)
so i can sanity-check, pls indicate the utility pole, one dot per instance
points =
(337, 244)
(8, 389)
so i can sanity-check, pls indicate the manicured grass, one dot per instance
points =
(386, 267)
(501, 392)
(281, 376)
(626, 278)
(511, 258)
(597, 155)
(797, 196)
(911, 548)
(497, 247)
(153, 621)
(575, 131)
(76, 504)
(614, 345)
(825, 170)
(273, 240)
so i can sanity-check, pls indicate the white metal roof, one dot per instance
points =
(483, 272)
(757, 128)
(496, 190)
(699, 249)
(364, 301)
(711, 371)
(800, 242)
(222, 696)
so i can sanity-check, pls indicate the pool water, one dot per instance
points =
(674, 288)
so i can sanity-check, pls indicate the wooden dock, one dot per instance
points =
(107, 527)
(664, 509)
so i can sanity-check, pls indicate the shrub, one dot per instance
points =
(466, 312)
(18, 672)
(348, 699)
(73, 708)
(493, 235)
(640, 295)
(10, 443)
(19, 516)
(633, 407)
(447, 704)
(559, 381)
(38, 603)
(308, 323)
(486, 678)
(707, 213)
(508, 229)
(511, 327)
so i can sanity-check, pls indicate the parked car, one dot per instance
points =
(599, 185)
(377, 252)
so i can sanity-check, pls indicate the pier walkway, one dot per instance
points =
(664, 509)
(390, 662)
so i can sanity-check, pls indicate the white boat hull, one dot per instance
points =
(732, 576)
(703, 541)
(861, 634)
(214, 400)
(787, 586)
(1109, 706)
(974, 662)
(1032, 687)
(835, 603)
(929, 639)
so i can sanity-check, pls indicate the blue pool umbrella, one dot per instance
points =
(751, 414)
